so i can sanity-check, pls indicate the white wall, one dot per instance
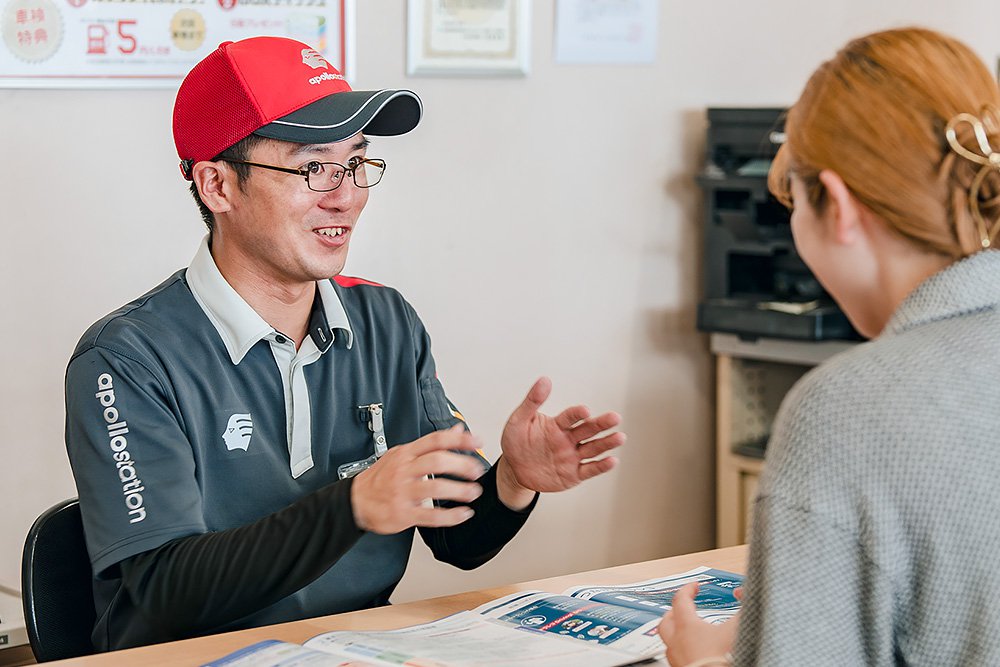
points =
(540, 225)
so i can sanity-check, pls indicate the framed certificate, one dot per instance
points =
(468, 37)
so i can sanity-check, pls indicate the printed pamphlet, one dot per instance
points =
(585, 626)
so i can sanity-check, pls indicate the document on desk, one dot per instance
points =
(586, 626)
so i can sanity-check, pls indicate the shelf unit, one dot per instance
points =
(752, 378)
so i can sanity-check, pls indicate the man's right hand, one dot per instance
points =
(395, 493)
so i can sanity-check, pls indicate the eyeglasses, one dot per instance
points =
(327, 176)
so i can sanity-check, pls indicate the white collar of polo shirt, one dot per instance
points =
(239, 325)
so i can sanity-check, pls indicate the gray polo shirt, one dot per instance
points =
(187, 413)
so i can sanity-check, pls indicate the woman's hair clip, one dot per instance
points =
(987, 157)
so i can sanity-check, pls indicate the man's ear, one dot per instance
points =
(216, 182)
(843, 210)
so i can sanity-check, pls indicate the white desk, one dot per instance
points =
(14, 648)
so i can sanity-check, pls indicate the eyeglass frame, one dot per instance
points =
(353, 170)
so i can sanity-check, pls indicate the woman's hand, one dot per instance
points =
(689, 638)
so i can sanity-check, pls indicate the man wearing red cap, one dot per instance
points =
(257, 439)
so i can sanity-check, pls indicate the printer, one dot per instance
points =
(755, 284)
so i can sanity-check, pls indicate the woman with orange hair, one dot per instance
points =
(876, 530)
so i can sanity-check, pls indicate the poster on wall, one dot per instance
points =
(606, 31)
(153, 43)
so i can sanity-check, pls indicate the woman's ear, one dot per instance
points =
(215, 182)
(843, 210)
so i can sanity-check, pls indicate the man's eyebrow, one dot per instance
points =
(303, 149)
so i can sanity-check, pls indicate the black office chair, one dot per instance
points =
(56, 585)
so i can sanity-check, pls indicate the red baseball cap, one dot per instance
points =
(282, 89)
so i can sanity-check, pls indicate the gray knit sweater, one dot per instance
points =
(876, 531)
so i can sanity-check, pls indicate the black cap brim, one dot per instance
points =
(342, 115)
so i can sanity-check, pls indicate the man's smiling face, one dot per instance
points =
(291, 234)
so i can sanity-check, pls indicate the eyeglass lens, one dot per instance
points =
(326, 176)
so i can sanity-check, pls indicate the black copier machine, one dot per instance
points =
(755, 283)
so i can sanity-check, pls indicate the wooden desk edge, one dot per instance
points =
(204, 649)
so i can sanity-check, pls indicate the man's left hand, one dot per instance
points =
(543, 453)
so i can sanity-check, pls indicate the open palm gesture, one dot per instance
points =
(546, 453)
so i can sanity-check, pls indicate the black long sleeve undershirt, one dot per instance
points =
(190, 586)
(474, 542)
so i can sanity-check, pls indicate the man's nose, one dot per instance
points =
(344, 196)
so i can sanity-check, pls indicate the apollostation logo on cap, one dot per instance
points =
(315, 60)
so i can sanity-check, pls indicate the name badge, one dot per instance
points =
(373, 415)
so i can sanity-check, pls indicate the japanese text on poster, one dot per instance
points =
(152, 43)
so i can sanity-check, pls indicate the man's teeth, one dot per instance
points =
(331, 231)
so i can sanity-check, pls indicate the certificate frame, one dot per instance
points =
(468, 37)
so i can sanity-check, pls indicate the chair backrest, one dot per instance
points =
(56, 585)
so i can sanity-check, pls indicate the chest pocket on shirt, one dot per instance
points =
(436, 404)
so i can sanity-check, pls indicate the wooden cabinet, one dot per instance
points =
(752, 378)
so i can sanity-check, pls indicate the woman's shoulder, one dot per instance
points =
(838, 408)
(881, 393)
(838, 380)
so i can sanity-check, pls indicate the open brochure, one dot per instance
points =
(585, 626)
